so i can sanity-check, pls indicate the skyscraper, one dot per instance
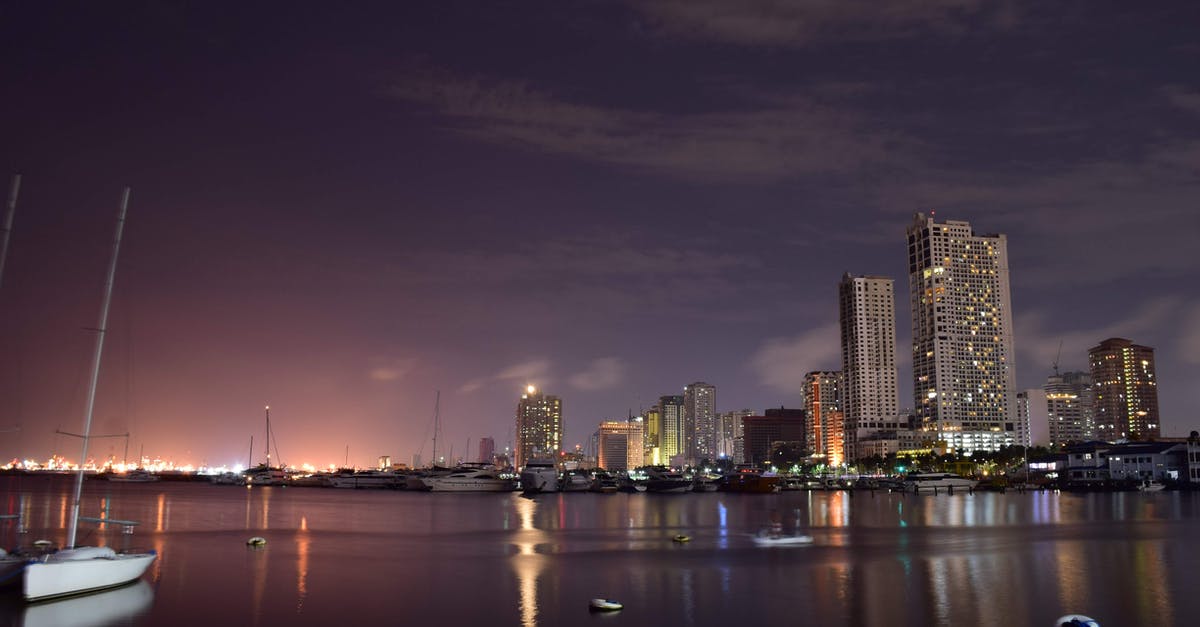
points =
(729, 431)
(700, 421)
(670, 412)
(620, 445)
(539, 426)
(652, 436)
(824, 430)
(1125, 399)
(1069, 407)
(868, 322)
(964, 383)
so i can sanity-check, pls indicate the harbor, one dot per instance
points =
(372, 556)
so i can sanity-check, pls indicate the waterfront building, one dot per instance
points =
(652, 437)
(1125, 391)
(868, 324)
(823, 418)
(759, 433)
(1069, 407)
(700, 421)
(620, 445)
(487, 450)
(670, 411)
(539, 426)
(729, 431)
(964, 382)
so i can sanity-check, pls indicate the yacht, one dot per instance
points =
(471, 479)
(575, 481)
(933, 481)
(539, 475)
(662, 479)
(368, 479)
(604, 483)
(137, 475)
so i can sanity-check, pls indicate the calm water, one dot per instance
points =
(337, 557)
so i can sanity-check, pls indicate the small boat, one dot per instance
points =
(604, 483)
(682, 538)
(1076, 620)
(75, 569)
(765, 539)
(1152, 485)
(575, 481)
(605, 605)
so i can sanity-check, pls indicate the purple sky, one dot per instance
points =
(339, 211)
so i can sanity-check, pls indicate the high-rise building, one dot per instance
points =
(964, 382)
(700, 422)
(868, 322)
(761, 432)
(539, 426)
(729, 431)
(670, 412)
(1125, 399)
(824, 431)
(1029, 416)
(620, 445)
(487, 450)
(652, 436)
(1069, 407)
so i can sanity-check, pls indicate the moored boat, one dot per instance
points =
(751, 482)
(471, 479)
(137, 475)
(937, 481)
(664, 480)
(539, 475)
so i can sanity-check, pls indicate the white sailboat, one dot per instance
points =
(75, 570)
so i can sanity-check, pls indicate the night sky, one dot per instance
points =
(341, 210)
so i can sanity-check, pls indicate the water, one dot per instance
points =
(342, 557)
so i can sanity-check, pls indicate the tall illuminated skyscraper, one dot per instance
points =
(868, 322)
(964, 382)
(1125, 390)
(539, 426)
(670, 413)
(824, 428)
(700, 421)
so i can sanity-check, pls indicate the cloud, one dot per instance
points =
(781, 363)
(1038, 346)
(785, 138)
(533, 372)
(1189, 340)
(601, 374)
(392, 370)
(1183, 98)
(796, 23)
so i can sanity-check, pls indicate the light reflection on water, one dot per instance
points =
(878, 559)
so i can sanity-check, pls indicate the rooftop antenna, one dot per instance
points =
(1056, 357)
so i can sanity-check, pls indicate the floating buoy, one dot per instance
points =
(1076, 620)
(682, 538)
(605, 605)
(256, 541)
(41, 544)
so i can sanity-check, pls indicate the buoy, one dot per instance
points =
(41, 544)
(605, 605)
(256, 541)
(681, 538)
(1076, 620)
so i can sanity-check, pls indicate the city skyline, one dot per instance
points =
(340, 213)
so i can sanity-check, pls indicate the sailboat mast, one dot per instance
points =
(268, 436)
(101, 327)
(8, 220)
(250, 455)
(437, 406)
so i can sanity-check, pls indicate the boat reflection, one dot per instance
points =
(114, 607)
(528, 564)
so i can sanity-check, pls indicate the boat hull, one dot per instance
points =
(446, 484)
(539, 479)
(51, 578)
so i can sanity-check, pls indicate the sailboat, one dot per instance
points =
(79, 569)
(265, 473)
